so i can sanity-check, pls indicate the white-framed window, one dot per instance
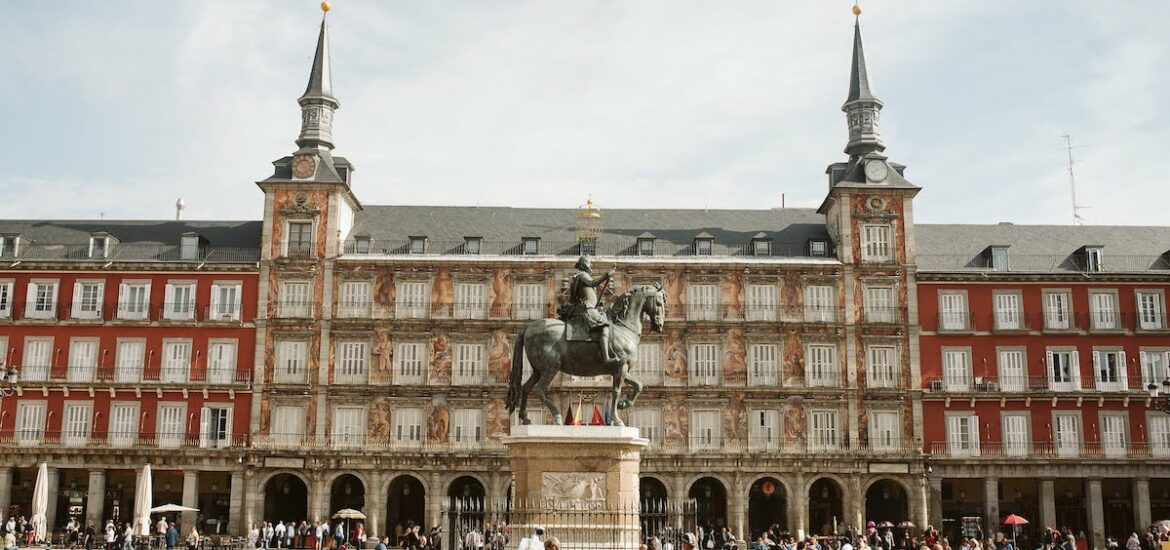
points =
(38, 357)
(761, 247)
(468, 366)
(349, 427)
(355, 299)
(288, 426)
(818, 248)
(1007, 311)
(821, 365)
(9, 247)
(134, 300)
(467, 427)
(352, 360)
(528, 301)
(704, 365)
(880, 305)
(1109, 370)
(530, 246)
(87, 299)
(5, 299)
(649, 424)
(299, 242)
(706, 429)
(418, 245)
(179, 301)
(408, 427)
(1064, 369)
(875, 243)
(470, 300)
(130, 360)
(292, 362)
(176, 361)
(823, 432)
(703, 246)
(225, 301)
(764, 430)
(472, 245)
(123, 430)
(962, 434)
(410, 363)
(83, 359)
(952, 310)
(30, 422)
(1158, 433)
(1066, 430)
(999, 258)
(171, 429)
(885, 430)
(1013, 369)
(1017, 440)
(1154, 362)
(1151, 313)
(882, 367)
(763, 365)
(414, 300)
(1093, 258)
(1057, 310)
(1114, 433)
(646, 247)
(215, 426)
(221, 361)
(957, 369)
(1103, 309)
(648, 367)
(3, 352)
(702, 302)
(294, 299)
(819, 305)
(763, 302)
(42, 300)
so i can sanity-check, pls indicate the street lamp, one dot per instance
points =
(1164, 391)
(8, 379)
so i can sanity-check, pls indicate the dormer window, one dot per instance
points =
(189, 246)
(9, 246)
(704, 242)
(588, 247)
(344, 173)
(818, 248)
(472, 245)
(418, 245)
(999, 257)
(761, 245)
(99, 245)
(361, 244)
(530, 246)
(1094, 258)
(646, 246)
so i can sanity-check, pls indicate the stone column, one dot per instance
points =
(854, 504)
(921, 499)
(1096, 510)
(678, 496)
(936, 512)
(375, 505)
(190, 500)
(95, 500)
(738, 499)
(435, 496)
(318, 496)
(1047, 503)
(799, 508)
(1141, 504)
(237, 517)
(53, 483)
(5, 491)
(990, 505)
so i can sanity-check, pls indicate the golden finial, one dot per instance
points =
(856, 9)
(325, 6)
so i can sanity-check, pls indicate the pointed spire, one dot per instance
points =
(318, 103)
(862, 109)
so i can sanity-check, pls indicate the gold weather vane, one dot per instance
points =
(856, 8)
(325, 6)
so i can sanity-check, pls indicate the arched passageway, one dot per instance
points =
(405, 504)
(286, 498)
(825, 507)
(886, 501)
(710, 498)
(767, 507)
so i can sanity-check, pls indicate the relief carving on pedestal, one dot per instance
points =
(573, 491)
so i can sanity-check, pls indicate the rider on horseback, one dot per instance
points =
(586, 304)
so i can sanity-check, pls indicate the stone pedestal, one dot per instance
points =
(578, 482)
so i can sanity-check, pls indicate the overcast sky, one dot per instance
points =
(120, 107)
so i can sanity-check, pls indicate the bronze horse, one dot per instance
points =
(549, 353)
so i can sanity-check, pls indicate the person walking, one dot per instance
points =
(253, 537)
(172, 535)
(533, 542)
(127, 537)
(193, 539)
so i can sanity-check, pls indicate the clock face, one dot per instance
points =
(303, 166)
(876, 170)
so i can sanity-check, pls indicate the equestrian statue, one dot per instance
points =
(586, 340)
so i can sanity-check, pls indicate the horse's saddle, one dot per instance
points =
(578, 329)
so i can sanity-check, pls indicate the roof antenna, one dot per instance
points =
(1072, 183)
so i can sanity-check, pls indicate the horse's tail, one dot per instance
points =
(517, 376)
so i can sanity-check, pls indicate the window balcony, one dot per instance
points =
(119, 440)
(884, 315)
(1034, 384)
(1047, 450)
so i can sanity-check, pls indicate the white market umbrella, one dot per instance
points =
(165, 508)
(348, 514)
(40, 501)
(143, 502)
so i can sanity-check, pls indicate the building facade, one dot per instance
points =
(818, 368)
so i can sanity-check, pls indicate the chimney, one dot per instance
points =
(179, 206)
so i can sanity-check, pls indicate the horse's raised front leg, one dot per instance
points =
(614, 419)
(533, 379)
(629, 402)
(542, 392)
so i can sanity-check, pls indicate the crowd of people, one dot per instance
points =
(323, 535)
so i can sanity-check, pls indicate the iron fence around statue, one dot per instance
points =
(472, 524)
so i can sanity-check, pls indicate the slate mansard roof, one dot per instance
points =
(502, 229)
(135, 240)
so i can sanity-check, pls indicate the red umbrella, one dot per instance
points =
(1014, 520)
